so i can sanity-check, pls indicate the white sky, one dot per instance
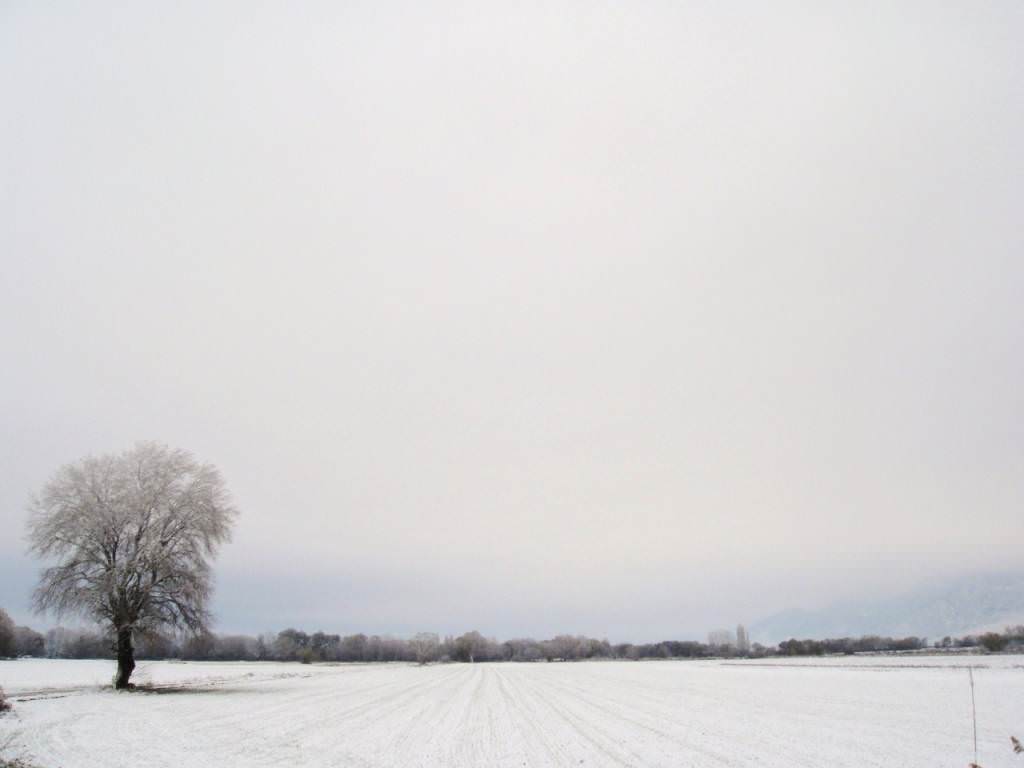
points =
(621, 318)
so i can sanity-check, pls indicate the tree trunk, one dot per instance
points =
(125, 658)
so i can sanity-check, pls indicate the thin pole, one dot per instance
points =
(974, 715)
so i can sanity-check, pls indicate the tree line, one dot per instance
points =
(1011, 637)
(130, 538)
(297, 645)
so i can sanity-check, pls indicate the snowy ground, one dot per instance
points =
(866, 711)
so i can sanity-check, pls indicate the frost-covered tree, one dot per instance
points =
(28, 642)
(132, 536)
(470, 646)
(425, 646)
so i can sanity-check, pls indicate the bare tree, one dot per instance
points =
(469, 646)
(7, 644)
(425, 646)
(28, 642)
(133, 535)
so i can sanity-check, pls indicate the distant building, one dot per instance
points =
(742, 639)
(722, 637)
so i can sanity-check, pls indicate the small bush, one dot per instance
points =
(5, 705)
(11, 762)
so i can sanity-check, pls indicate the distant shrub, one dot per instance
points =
(13, 762)
(993, 641)
(5, 705)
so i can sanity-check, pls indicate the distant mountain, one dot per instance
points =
(967, 605)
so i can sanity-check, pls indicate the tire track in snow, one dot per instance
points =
(590, 732)
(511, 716)
(608, 701)
(555, 752)
(615, 712)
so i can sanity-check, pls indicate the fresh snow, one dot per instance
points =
(49, 675)
(832, 711)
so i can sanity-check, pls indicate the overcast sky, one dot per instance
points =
(630, 319)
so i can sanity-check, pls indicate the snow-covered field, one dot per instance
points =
(866, 711)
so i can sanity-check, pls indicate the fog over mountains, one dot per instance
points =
(966, 605)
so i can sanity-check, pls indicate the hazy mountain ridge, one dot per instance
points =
(962, 606)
